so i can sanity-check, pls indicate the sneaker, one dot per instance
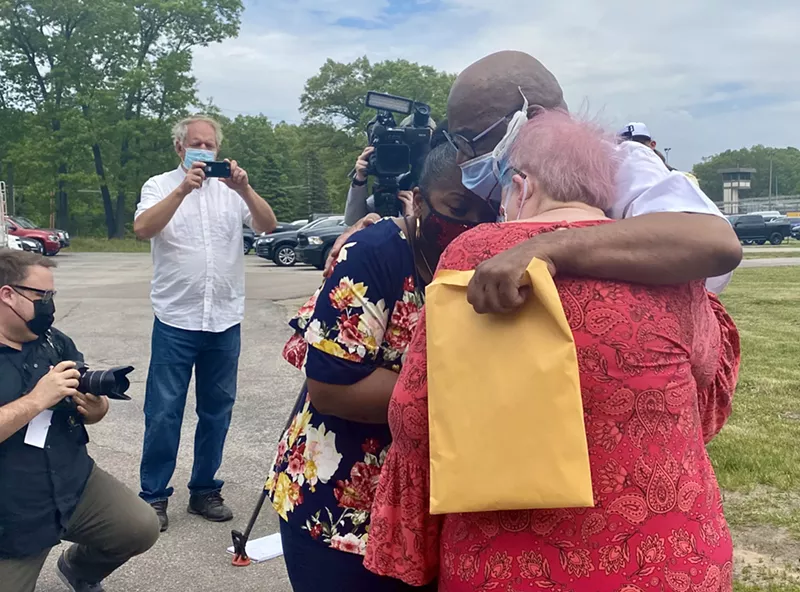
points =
(210, 506)
(161, 511)
(66, 575)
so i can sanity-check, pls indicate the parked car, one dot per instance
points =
(14, 243)
(755, 228)
(249, 239)
(21, 221)
(30, 245)
(314, 244)
(795, 223)
(51, 243)
(279, 247)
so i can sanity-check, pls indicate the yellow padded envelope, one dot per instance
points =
(504, 402)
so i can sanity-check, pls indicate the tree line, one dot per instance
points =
(89, 90)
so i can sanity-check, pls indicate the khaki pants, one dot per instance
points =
(110, 525)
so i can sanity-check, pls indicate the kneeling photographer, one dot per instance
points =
(391, 152)
(50, 487)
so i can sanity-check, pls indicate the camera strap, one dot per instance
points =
(412, 244)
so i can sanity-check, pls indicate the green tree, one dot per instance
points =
(335, 96)
(318, 202)
(785, 166)
(118, 73)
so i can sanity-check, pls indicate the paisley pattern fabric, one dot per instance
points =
(658, 367)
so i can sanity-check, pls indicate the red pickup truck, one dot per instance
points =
(50, 241)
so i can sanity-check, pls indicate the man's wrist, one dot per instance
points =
(38, 400)
(547, 247)
(181, 192)
(358, 180)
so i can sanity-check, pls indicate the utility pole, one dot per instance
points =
(308, 182)
(770, 183)
(666, 154)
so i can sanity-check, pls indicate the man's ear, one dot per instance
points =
(417, 202)
(653, 144)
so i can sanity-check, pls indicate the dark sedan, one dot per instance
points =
(279, 247)
(314, 244)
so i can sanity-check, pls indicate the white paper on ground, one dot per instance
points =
(36, 434)
(263, 549)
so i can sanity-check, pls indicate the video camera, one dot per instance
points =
(399, 151)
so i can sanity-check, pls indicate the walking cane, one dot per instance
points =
(240, 558)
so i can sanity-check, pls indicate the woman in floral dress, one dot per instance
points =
(351, 338)
(658, 366)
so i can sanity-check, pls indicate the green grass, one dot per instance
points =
(80, 244)
(766, 587)
(760, 445)
(757, 455)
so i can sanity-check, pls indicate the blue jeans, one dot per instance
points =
(215, 359)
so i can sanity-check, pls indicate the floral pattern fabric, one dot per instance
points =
(658, 367)
(326, 469)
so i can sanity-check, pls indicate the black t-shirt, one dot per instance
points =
(39, 487)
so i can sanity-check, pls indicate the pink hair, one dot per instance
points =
(572, 160)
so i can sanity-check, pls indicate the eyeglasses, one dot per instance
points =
(46, 295)
(509, 173)
(467, 146)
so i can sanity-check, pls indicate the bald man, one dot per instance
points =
(669, 233)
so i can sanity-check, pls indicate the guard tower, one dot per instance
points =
(733, 181)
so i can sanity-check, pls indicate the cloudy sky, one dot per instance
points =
(705, 75)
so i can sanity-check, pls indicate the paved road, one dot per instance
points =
(793, 247)
(771, 262)
(103, 303)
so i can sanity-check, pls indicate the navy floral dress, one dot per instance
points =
(326, 470)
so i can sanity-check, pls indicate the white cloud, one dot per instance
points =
(704, 76)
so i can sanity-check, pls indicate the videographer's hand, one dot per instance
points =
(407, 199)
(60, 382)
(194, 178)
(92, 408)
(363, 163)
(367, 220)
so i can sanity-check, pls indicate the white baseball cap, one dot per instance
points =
(635, 129)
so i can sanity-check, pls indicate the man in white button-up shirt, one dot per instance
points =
(194, 225)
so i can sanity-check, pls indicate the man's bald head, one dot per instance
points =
(489, 90)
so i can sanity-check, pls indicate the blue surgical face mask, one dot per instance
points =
(481, 174)
(197, 155)
(478, 176)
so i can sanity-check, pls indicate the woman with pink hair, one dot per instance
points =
(658, 366)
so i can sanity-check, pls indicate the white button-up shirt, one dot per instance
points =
(646, 186)
(198, 260)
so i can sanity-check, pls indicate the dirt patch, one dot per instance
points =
(765, 555)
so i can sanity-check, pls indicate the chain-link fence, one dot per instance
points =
(782, 203)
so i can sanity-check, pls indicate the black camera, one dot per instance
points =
(111, 383)
(399, 151)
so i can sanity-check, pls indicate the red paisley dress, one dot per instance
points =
(658, 368)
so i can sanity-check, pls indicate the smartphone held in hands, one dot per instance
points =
(217, 169)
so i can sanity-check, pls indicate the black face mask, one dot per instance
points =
(44, 315)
